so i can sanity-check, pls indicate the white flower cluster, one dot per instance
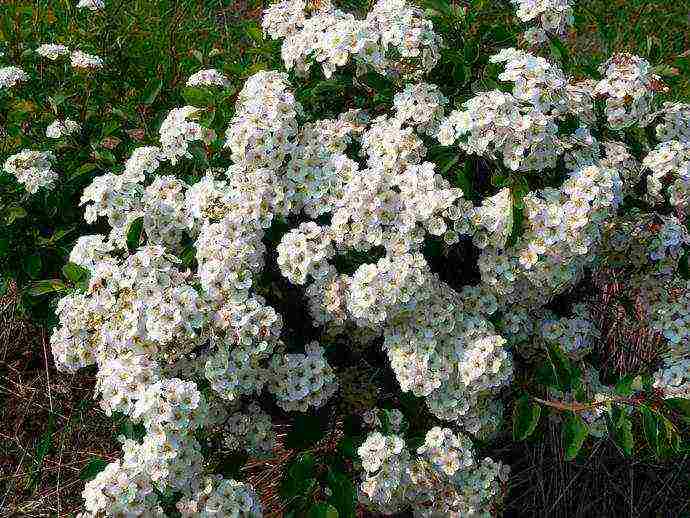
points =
(167, 458)
(91, 5)
(496, 124)
(62, 128)
(669, 164)
(250, 430)
(208, 77)
(574, 335)
(443, 479)
(674, 378)
(394, 38)
(12, 76)
(537, 81)
(301, 381)
(628, 87)
(265, 121)
(33, 169)
(221, 497)
(52, 51)
(178, 130)
(421, 105)
(675, 124)
(551, 17)
(79, 59)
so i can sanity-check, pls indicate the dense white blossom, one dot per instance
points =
(12, 76)
(52, 51)
(628, 86)
(91, 5)
(33, 169)
(62, 128)
(79, 59)
(208, 77)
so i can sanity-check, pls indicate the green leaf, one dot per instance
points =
(622, 431)
(4, 246)
(575, 432)
(680, 406)
(343, 494)
(463, 180)
(85, 169)
(525, 418)
(151, 91)
(322, 510)
(564, 374)
(75, 273)
(307, 430)
(652, 429)
(40, 288)
(93, 467)
(33, 265)
(199, 97)
(624, 385)
(109, 128)
(134, 234)
(255, 33)
(11, 214)
(298, 480)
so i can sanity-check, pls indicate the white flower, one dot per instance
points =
(33, 169)
(92, 5)
(52, 51)
(209, 77)
(62, 128)
(12, 76)
(79, 59)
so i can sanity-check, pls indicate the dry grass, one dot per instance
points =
(52, 427)
(605, 484)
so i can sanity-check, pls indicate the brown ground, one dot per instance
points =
(51, 427)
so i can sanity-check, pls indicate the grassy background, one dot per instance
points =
(54, 434)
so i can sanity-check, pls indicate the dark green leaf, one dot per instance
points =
(525, 418)
(298, 480)
(93, 467)
(39, 288)
(74, 272)
(622, 431)
(230, 466)
(307, 430)
(565, 375)
(322, 510)
(652, 429)
(150, 93)
(134, 234)
(680, 406)
(624, 385)
(347, 448)
(33, 265)
(4, 246)
(575, 432)
(343, 494)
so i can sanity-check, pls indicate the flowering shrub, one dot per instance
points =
(265, 243)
